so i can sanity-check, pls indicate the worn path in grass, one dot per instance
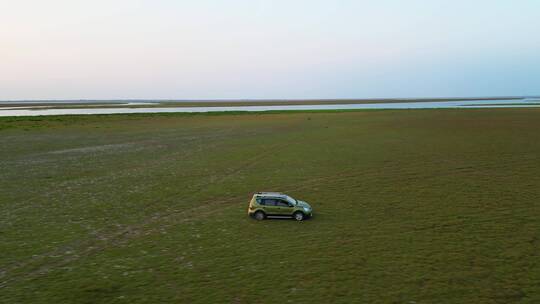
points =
(424, 206)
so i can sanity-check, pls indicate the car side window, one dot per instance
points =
(269, 202)
(281, 203)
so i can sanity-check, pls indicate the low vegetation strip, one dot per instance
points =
(410, 206)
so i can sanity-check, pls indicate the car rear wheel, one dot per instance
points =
(259, 216)
(299, 216)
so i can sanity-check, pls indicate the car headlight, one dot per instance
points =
(306, 209)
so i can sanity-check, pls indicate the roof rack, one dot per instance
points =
(269, 193)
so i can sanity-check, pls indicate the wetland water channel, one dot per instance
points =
(29, 110)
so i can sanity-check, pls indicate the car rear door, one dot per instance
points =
(270, 206)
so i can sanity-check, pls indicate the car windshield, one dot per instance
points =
(290, 200)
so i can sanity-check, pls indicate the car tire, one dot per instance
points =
(259, 215)
(299, 216)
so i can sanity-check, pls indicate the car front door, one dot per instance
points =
(284, 207)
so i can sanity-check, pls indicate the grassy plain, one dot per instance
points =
(411, 206)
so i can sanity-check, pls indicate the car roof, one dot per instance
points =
(273, 194)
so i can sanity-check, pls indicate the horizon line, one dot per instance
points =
(270, 99)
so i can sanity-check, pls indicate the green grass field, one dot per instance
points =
(411, 206)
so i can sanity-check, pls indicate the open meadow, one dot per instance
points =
(411, 206)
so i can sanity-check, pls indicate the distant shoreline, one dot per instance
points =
(190, 107)
(234, 102)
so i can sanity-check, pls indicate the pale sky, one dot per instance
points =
(221, 49)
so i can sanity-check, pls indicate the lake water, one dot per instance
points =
(468, 104)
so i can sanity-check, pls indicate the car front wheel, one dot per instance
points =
(259, 215)
(299, 216)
